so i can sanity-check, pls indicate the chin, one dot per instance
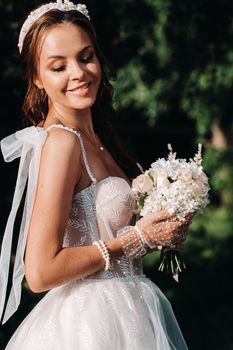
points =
(85, 104)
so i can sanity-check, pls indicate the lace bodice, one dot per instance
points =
(98, 212)
(108, 204)
(120, 303)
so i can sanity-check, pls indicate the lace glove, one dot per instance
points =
(151, 233)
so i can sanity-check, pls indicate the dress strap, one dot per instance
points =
(84, 153)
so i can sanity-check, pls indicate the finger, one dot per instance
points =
(182, 235)
(162, 215)
(170, 227)
(156, 217)
(182, 231)
(178, 224)
(183, 224)
(189, 217)
(184, 227)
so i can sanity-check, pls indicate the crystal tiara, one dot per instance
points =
(61, 5)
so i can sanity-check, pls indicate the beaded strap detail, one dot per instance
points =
(84, 154)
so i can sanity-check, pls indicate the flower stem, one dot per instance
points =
(171, 261)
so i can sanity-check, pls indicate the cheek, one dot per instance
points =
(52, 82)
(95, 70)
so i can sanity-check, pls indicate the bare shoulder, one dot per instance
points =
(60, 160)
(63, 142)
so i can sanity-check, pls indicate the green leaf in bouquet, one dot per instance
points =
(142, 199)
(151, 177)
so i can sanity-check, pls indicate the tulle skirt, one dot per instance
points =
(127, 313)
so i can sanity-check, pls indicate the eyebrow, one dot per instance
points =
(62, 57)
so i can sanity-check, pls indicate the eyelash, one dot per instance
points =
(59, 69)
(88, 59)
(82, 60)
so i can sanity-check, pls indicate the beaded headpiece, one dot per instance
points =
(61, 5)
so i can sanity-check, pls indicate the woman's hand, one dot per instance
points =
(178, 246)
(153, 232)
(158, 229)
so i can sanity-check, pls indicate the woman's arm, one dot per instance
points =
(74, 263)
(47, 264)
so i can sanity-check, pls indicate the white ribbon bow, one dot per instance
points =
(27, 144)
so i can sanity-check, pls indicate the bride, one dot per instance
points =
(78, 240)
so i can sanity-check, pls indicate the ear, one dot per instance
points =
(38, 83)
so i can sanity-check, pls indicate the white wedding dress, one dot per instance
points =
(120, 309)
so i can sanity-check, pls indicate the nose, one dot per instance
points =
(77, 71)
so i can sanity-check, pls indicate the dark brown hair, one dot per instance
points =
(35, 105)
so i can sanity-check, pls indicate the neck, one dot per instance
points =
(80, 120)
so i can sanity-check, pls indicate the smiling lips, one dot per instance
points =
(80, 88)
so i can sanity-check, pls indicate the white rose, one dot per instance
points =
(185, 174)
(162, 180)
(143, 183)
(199, 189)
(203, 178)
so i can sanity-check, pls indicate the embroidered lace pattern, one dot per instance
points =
(117, 309)
(97, 212)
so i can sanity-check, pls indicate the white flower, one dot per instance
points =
(199, 189)
(143, 183)
(185, 174)
(176, 185)
(162, 179)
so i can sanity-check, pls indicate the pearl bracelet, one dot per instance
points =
(104, 252)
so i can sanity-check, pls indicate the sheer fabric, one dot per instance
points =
(27, 144)
(118, 309)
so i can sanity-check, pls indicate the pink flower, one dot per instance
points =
(143, 183)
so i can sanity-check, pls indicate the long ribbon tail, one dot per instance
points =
(8, 234)
(28, 143)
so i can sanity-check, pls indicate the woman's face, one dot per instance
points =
(69, 70)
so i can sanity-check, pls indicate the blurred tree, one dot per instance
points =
(182, 64)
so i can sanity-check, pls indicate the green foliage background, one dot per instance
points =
(174, 62)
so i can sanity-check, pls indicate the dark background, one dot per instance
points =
(174, 61)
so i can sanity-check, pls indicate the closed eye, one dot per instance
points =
(87, 59)
(84, 59)
(58, 69)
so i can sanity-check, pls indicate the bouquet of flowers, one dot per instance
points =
(178, 186)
